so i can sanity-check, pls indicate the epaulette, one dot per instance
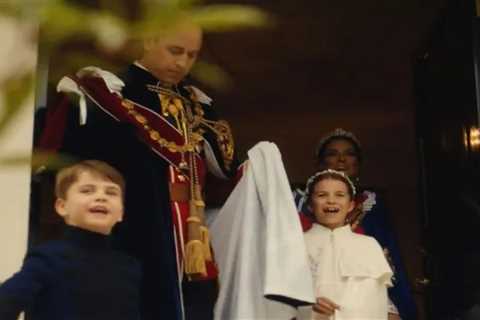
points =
(68, 85)
(201, 96)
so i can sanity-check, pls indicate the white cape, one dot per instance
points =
(259, 245)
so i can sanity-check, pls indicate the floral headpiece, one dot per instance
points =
(329, 171)
(337, 133)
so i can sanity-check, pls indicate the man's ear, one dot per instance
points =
(149, 43)
(121, 213)
(60, 207)
(120, 218)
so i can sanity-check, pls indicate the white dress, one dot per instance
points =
(351, 270)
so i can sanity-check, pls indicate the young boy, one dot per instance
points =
(80, 276)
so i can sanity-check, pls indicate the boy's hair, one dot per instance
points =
(69, 175)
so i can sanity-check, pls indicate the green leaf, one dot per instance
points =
(15, 91)
(39, 160)
(59, 21)
(212, 18)
(212, 75)
(221, 18)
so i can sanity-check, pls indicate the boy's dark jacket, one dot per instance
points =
(77, 277)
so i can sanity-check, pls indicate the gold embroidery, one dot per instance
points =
(141, 119)
(128, 105)
(225, 141)
(224, 136)
(191, 125)
(155, 135)
(199, 109)
(221, 128)
(194, 219)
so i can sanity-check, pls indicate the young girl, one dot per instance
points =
(350, 271)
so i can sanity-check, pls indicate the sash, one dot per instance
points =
(153, 129)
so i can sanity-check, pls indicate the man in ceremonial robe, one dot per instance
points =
(163, 134)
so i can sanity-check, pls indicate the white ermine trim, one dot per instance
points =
(67, 85)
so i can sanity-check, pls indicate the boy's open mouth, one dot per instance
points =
(99, 210)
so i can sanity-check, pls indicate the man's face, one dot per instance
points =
(171, 56)
(92, 203)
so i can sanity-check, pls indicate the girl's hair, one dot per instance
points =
(328, 174)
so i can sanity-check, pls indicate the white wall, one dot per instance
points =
(18, 56)
(15, 192)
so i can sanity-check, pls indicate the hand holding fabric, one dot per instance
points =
(325, 306)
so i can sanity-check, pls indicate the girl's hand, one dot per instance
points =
(325, 306)
(393, 316)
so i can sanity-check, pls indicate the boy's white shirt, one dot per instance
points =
(349, 269)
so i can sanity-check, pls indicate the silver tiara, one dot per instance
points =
(331, 171)
(337, 133)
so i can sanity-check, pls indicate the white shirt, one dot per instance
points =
(349, 269)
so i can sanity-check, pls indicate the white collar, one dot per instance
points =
(324, 235)
(141, 66)
(343, 230)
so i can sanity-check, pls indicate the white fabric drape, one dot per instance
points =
(259, 245)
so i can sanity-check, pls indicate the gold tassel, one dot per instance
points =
(195, 259)
(194, 250)
(205, 238)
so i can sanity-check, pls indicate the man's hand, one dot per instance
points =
(325, 306)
